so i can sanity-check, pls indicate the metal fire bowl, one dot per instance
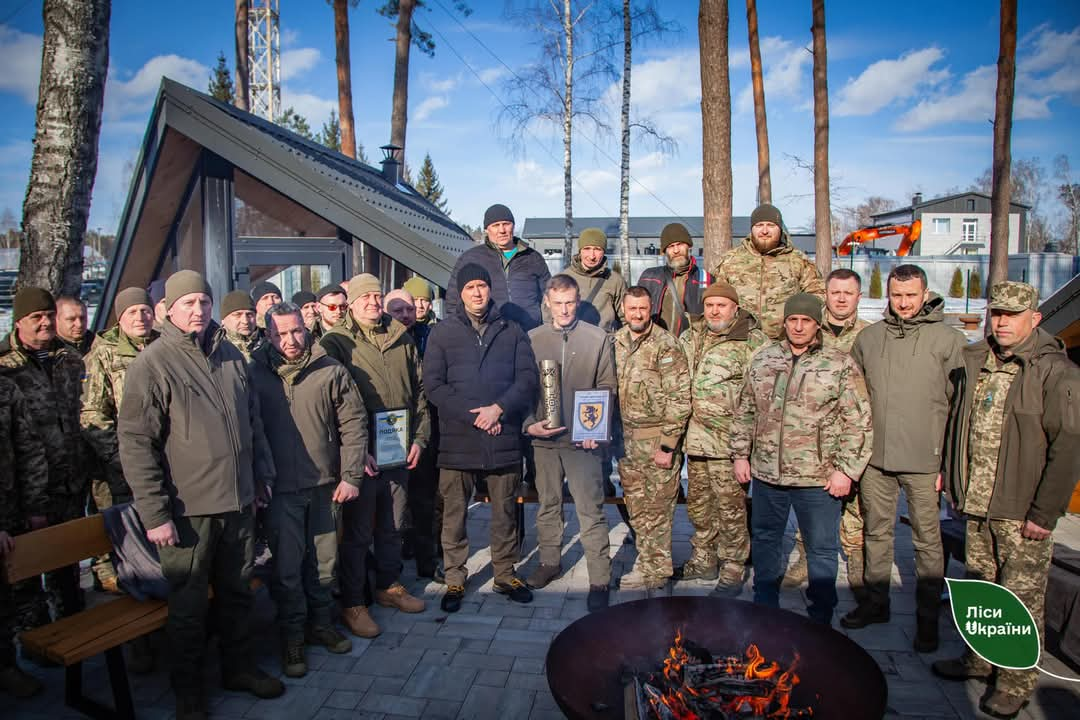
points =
(587, 662)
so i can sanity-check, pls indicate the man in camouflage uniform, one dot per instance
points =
(49, 374)
(843, 290)
(103, 390)
(24, 493)
(767, 269)
(239, 321)
(654, 403)
(1011, 464)
(718, 348)
(803, 433)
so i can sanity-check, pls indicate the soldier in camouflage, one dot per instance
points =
(49, 374)
(766, 269)
(24, 494)
(803, 433)
(103, 390)
(655, 404)
(843, 290)
(1012, 459)
(718, 348)
(239, 323)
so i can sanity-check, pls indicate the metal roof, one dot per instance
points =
(1061, 309)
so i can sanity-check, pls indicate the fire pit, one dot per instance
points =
(591, 662)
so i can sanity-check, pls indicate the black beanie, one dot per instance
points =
(30, 300)
(803, 304)
(497, 213)
(675, 233)
(331, 289)
(766, 213)
(470, 272)
(129, 297)
(303, 297)
(264, 288)
(236, 300)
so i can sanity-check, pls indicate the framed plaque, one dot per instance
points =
(592, 415)
(391, 438)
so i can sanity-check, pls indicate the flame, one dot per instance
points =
(679, 699)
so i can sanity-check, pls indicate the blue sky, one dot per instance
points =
(911, 93)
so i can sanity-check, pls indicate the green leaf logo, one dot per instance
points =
(994, 623)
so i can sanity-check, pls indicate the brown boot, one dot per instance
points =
(396, 596)
(1003, 705)
(360, 622)
(17, 683)
(109, 585)
(796, 574)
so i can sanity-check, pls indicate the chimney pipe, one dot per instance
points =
(391, 168)
(916, 200)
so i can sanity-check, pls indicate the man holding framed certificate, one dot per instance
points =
(382, 358)
(570, 445)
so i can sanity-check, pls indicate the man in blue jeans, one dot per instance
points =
(802, 431)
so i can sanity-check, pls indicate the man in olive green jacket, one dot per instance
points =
(907, 359)
(602, 288)
(317, 428)
(382, 358)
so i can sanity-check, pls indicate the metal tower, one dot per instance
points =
(264, 65)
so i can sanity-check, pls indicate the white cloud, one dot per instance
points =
(440, 84)
(492, 74)
(20, 56)
(973, 102)
(1046, 49)
(538, 180)
(289, 37)
(425, 109)
(314, 109)
(785, 66)
(662, 83)
(886, 81)
(129, 97)
(295, 63)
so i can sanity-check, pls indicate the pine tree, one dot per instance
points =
(956, 287)
(429, 186)
(875, 283)
(975, 286)
(292, 120)
(221, 84)
(331, 133)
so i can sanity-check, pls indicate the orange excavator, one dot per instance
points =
(909, 235)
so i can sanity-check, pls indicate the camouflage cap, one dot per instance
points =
(1012, 296)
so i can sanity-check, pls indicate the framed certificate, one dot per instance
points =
(391, 433)
(592, 415)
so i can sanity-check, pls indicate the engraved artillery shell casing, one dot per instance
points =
(550, 394)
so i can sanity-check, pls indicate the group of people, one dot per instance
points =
(759, 376)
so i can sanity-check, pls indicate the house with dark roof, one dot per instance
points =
(546, 234)
(955, 225)
(241, 200)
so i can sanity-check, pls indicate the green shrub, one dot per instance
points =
(975, 286)
(956, 287)
(875, 283)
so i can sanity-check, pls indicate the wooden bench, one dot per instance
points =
(101, 629)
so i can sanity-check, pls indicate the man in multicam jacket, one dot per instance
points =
(24, 493)
(107, 364)
(843, 289)
(803, 433)
(766, 269)
(49, 374)
(1011, 463)
(651, 369)
(718, 349)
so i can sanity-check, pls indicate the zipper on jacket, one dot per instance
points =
(233, 433)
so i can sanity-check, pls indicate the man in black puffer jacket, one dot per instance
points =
(480, 372)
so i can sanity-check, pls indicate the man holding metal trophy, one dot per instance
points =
(577, 392)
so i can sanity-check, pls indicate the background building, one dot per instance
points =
(955, 225)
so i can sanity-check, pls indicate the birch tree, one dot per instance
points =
(71, 94)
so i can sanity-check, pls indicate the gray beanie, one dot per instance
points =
(236, 300)
(129, 297)
(804, 304)
(185, 282)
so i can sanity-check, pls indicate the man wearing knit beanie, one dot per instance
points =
(382, 358)
(266, 295)
(194, 454)
(107, 364)
(766, 269)
(675, 287)
(718, 350)
(238, 319)
(422, 297)
(793, 451)
(333, 304)
(517, 273)
(601, 287)
(49, 374)
(157, 297)
(309, 308)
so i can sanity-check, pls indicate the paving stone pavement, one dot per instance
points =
(487, 661)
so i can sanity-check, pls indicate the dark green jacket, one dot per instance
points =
(314, 420)
(1039, 460)
(24, 468)
(907, 364)
(388, 376)
(191, 436)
